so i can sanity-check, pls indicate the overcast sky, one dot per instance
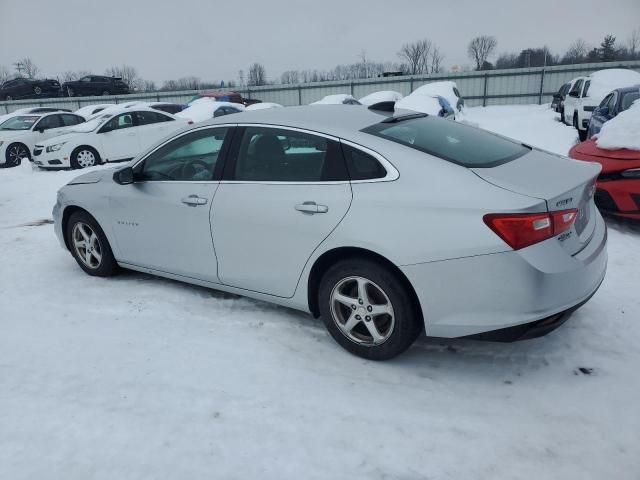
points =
(213, 40)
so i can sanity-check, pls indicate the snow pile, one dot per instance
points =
(603, 81)
(419, 103)
(87, 110)
(204, 108)
(338, 99)
(382, 96)
(263, 106)
(622, 131)
(440, 89)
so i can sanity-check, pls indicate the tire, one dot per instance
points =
(397, 325)
(84, 157)
(8, 98)
(14, 155)
(70, 92)
(95, 257)
(582, 134)
(37, 90)
(106, 92)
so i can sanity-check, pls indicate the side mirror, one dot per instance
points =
(124, 176)
(40, 130)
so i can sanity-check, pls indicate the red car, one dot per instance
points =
(618, 186)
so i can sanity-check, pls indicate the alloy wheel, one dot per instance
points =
(362, 311)
(87, 245)
(37, 90)
(15, 154)
(86, 158)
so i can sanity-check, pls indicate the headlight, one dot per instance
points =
(56, 147)
(631, 173)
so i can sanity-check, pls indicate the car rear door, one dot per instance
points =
(161, 221)
(283, 192)
(153, 126)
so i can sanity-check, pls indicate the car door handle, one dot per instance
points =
(311, 207)
(194, 200)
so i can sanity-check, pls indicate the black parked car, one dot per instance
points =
(29, 88)
(95, 85)
(617, 101)
(558, 98)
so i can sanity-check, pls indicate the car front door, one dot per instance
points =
(153, 126)
(161, 221)
(83, 86)
(282, 193)
(118, 138)
(47, 127)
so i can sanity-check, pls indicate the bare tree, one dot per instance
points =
(634, 43)
(26, 67)
(435, 59)
(128, 74)
(290, 77)
(188, 83)
(480, 49)
(149, 86)
(257, 75)
(70, 76)
(5, 74)
(576, 52)
(416, 55)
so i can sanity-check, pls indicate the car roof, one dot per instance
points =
(343, 121)
(633, 88)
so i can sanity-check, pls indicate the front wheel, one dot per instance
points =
(8, 98)
(368, 310)
(70, 92)
(37, 90)
(84, 157)
(15, 153)
(89, 245)
(105, 93)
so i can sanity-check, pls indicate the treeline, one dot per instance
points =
(413, 58)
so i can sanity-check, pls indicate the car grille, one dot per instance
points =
(604, 201)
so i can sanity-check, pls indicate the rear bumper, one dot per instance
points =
(473, 295)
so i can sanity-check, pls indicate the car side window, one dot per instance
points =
(605, 101)
(628, 99)
(280, 155)
(147, 118)
(576, 88)
(48, 122)
(361, 165)
(587, 84)
(124, 120)
(612, 102)
(70, 120)
(191, 157)
(85, 79)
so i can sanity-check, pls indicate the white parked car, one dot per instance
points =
(587, 93)
(110, 137)
(207, 108)
(19, 134)
(339, 99)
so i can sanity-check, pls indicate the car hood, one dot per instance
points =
(65, 137)
(611, 160)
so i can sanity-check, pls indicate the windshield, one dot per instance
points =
(628, 99)
(457, 143)
(23, 122)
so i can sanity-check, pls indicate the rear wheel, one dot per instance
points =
(89, 245)
(368, 310)
(106, 92)
(582, 134)
(15, 153)
(37, 90)
(84, 157)
(8, 98)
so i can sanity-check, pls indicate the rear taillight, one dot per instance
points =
(519, 230)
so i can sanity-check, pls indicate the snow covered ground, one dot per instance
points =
(137, 377)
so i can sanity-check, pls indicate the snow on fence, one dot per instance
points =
(493, 87)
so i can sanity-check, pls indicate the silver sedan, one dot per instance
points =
(385, 225)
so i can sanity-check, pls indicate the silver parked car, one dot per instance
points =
(382, 225)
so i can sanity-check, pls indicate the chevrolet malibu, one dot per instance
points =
(383, 225)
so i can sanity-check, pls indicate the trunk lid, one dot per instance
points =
(561, 182)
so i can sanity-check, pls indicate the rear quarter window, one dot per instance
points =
(451, 141)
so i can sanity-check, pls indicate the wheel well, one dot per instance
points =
(66, 214)
(327, 259)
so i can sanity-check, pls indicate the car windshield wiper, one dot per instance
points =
(400, 118)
